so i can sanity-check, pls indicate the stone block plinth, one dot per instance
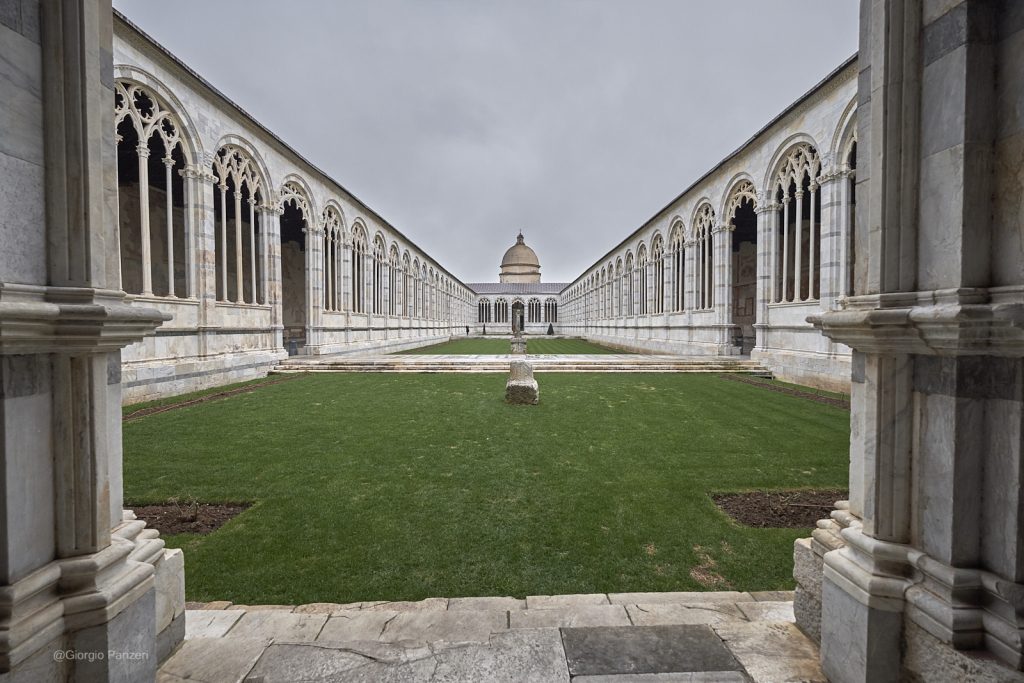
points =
(521, 387)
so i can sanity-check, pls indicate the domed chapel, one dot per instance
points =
(519, 301)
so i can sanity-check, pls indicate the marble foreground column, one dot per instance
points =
(86, 593)
(920, 575)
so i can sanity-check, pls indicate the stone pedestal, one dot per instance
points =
(518, 345)
(521, 387)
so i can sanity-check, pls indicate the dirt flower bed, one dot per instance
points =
(187, 518)
(780, 509)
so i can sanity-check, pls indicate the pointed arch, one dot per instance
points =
(796, 247)
(242, 182)
(333, 225)
(156, 150)
(703, 225)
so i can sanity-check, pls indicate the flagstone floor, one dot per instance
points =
(721, 637)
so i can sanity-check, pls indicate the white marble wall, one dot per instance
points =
(922, 570)
(210, 342)
(74, 575)
(786, 342)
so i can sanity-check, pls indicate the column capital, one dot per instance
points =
(168, 161)
(143, 150)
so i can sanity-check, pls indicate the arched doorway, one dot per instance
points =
(743, 254)
(518, 317)
(294, 301)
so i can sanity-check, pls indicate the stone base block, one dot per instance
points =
(122, 649)
(522, 393)
(928, 660)
(43, 666)
(859, 644)
(168, 640)
(807, 610)
(808, 567)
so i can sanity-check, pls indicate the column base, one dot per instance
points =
(112, 615)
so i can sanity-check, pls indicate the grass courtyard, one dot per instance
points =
(541, 346)
(407, 486)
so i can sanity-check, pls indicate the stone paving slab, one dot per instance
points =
(671, 613)
(767, 611)
(582, 615)
(210, 623)
(534, 655)
(772, 651)
(449, 627)
(486, 604)
(215, 660)
(433, 604)
(278, 625)
(331, 607)
(645, 649)
(599, 639)
(693, 597)
(265, 608)
(773, 596)
(356, 625)
(687, 677)
(577, 600)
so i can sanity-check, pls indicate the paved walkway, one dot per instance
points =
(611, 362)
(720, 637)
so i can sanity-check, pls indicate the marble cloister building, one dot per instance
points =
(519, 301)
(252, 251)
(738, 261)
(156, 239)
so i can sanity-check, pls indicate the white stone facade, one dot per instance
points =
(702, 276)
(291, 263)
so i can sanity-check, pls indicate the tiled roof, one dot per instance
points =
(517, 287)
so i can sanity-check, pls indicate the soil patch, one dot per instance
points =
(143, 412)
(183, 518)
(809, 395)
(780, 509)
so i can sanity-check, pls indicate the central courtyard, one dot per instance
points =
(408, 486)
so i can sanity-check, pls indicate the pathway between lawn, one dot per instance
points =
(724, 637)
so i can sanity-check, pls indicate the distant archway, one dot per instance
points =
(518, 317)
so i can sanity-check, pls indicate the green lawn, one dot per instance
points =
(402, 486)
(479, 345)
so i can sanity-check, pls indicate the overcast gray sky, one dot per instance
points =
(463, 121)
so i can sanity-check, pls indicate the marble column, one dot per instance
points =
(723, 276)
(929, 564)
(766, 214)
(75, 574)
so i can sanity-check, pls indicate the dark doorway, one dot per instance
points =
(518, 317)
(293, 278)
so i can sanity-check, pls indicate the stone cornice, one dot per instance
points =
(946, 322)
(36, 319)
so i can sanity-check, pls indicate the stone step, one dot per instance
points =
(738, 637)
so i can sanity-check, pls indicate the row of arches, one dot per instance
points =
(497, 311)
(175, 213)
(685, 271)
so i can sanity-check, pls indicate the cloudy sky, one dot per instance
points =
(464, 121)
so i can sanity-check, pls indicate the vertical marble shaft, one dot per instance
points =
(798, 244)
(147, 257)
(784, 294)
(239, 259)
(169, 168)
(253, 240)
(813, 234)
(223, 242)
